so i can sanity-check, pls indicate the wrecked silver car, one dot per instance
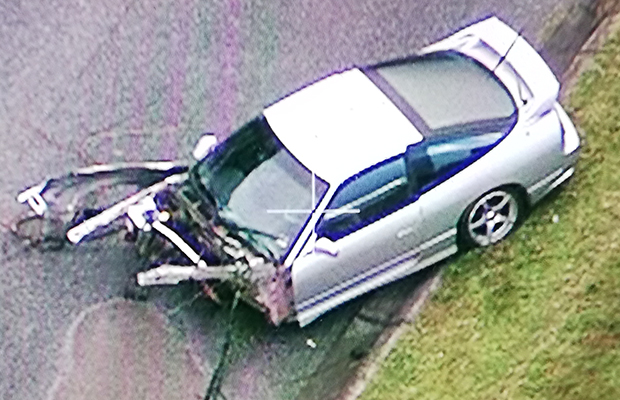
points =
(355, 181)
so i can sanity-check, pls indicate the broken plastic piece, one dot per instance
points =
(173, 274)
(33, 197)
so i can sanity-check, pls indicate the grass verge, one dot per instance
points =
(538, 316)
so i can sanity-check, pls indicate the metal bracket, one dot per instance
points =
(167, 274)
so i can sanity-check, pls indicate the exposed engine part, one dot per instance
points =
(78, 232)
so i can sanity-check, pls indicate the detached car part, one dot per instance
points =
(84, 204)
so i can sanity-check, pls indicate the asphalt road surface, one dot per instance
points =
(84, 81)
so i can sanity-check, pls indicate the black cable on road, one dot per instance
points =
(218, 374)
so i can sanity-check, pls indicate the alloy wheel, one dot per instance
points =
(492, 217)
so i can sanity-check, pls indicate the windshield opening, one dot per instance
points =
(259, 187)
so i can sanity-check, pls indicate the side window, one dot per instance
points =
(437, 159)
(366, 198)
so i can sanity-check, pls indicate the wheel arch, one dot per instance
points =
(521, 191)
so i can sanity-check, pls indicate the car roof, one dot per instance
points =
(341, 125)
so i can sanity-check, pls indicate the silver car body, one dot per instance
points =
(537, 155)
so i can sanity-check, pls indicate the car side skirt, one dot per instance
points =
(540, 189)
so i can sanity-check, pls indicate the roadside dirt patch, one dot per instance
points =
(126, 350)
(602, 340)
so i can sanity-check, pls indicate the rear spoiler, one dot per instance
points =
(492, 42)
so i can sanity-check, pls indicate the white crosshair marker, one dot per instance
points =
(309, 211)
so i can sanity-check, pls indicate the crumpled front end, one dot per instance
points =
(180, 235)
(171, 224)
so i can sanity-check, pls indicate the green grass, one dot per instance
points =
(538, 316)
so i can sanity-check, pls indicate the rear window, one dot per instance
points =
(449, 89)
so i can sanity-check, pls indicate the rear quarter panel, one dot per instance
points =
(531, 152)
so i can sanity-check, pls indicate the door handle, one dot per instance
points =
(325, 245)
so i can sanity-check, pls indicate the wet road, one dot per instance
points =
(82, 81)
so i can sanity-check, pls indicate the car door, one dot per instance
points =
(363, 240)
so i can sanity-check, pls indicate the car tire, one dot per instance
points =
(491, 218)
